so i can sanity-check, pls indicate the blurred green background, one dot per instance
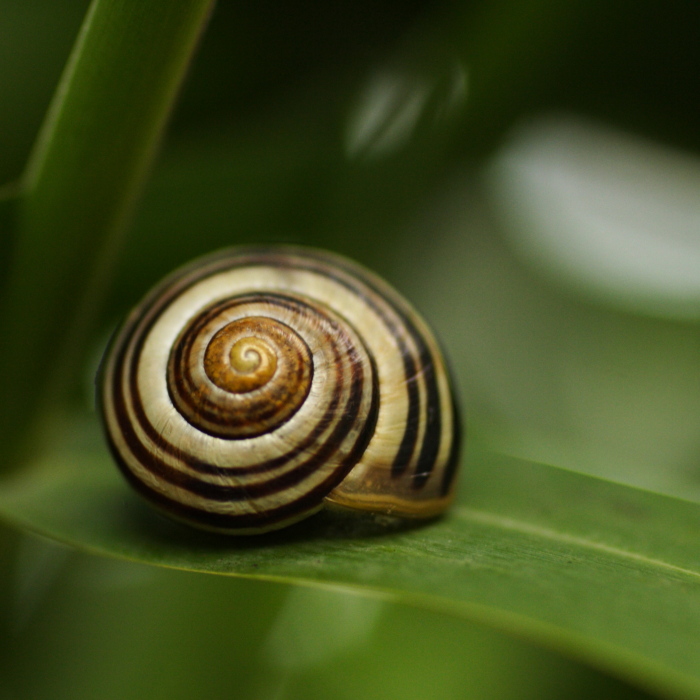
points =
(453, 147)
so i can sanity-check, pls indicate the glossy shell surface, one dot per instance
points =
(253, 385)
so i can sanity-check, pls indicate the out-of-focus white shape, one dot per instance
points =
(616, 216)
(386, 114)
(391, 104)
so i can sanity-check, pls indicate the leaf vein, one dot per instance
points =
(493, 519)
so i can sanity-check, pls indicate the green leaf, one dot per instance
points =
(78, 190)
(176, 631)
(602, 572)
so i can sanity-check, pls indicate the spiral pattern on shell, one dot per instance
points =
(254, 385)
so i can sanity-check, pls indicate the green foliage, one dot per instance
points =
(524, 542)
(539, 574)
(79, 186)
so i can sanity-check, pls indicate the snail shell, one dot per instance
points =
(253, 385)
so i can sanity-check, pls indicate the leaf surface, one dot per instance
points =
(603, 572)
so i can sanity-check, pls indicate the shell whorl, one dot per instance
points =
(253, 385)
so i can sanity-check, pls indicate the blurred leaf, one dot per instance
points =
(612, 216)
(599, 571)
(87, 169)
(9, 195)
(545, 373)
(35, 40)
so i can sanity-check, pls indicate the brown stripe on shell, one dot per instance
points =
(414, 417)
(417, 368)
(306, 502)
(422, 441)
(270, 406)
(286, 480)
(167, 448)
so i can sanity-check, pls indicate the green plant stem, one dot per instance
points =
(83, 177)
